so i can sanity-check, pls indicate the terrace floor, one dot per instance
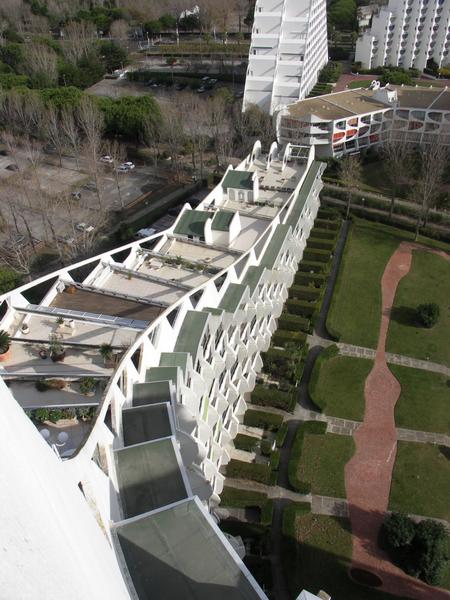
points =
(149, 290)
(170, 273)
(206, 254)
(28, 397)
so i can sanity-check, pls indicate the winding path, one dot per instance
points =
(368, 474)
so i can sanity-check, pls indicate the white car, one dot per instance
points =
(128, 164)
(107, 159)
(85, 228)
(146, 232)
(123, 169)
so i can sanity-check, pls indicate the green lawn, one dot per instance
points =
(362, 83)
(319, 558)
(424, 402)
(337, 386)
(356, 305)
(322, 463)
(427, 281)
(421, 480)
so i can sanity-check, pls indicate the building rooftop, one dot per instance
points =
(191, 332)
(222, 220)
(181, 554)
(241, 180)
(145, 423)
(192, 222)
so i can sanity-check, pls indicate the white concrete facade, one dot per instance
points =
(407, 33)
(288, 48)
(202, 353)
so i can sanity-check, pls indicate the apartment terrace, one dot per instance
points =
(197, 252)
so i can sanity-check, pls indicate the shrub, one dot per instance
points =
(41, 414)
(398, 531)
(237, 498)
(267, 512)
(245, 442)
(263, 396)
(317, 255)
(87, 385)
(428, 314)
(317, 279)
(266, 447)
(293, 322)
(301, 292)
(282, 338)
(281, 435)
(327, 224)
(301, 307)
(244, 470)
(85, 413)
(320, 244)
(312, 266)
(5, 341)
(262, 419)
(274, 461)
(324, 234)
(315, 427)
(280, 363)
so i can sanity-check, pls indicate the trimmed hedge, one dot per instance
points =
(245, 442)
(325, 355)
(301, 292)
(267, 512)
(309, 266)
(274, 461)
(323, 234)
(283, 338)
(317, 255)
(315, 427)
(245, 530)
(263, 396)
(320, 244)
(243, 470)
(281, 363)
(262, 419)
(237, 498)
(300, 307)
(266, 447)
(318, 279)
(281, 435)
(327, 224)
(293, 322)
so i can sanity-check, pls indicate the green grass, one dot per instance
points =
(424, 400)
(362, 83)
(317, 556)
(322, 463)
(355, 310)
(421, 480)
(427, 281)
(337, 385)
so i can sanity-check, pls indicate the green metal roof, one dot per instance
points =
(161, 374)
(303, 194)
(151, 393)
(222, 220)
(252, 277)
(178, 554)
(191, 332)
(148, 476)
(232, 297)
(192, 222)
(145, 423)
(174, 359)
(214, 311)
(273, 249)
(239, 180)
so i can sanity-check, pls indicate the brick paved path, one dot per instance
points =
(368, 473)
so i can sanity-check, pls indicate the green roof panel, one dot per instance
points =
(191, 332)
(151, 393)
(232, 297)
(222, 220)
(192, 222)
(145, 423)
(174, 359)
(238, 180)
(303, 194)
(274, 248)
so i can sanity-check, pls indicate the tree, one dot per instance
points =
(398, 530)
(53, 131)
(91, 122)
(13, 54)
(397, 163)
(71, 132)
(118, 154)
(113, 55)
(152, 27)
(428, 314)
(428, 186)
(350, 176)
(79, 39)
(119, 32)
(168, 22)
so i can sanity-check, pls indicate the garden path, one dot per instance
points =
(368, 474)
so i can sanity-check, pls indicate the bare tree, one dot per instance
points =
(53, 131)
(91, 123)
(434, 158)
(397, 164)
(173, 135)
(117, 152)
(41, 62)
(119, 32)
(350, 176)
(219, 124)
(19, 257)
(71, 132)
(79, 38)
(196, 126)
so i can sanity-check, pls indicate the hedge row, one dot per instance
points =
(245, 442)
(289, 542)
(237, 498)
(262, 419)
(263, 396)
(293, 322)
(244, 470)
(315, 427)
(283, 338)
(274, 461)
(301, 307)
(323, 234)
(281, 435)
(320, 244)
(302, 278)
(323, 357)
(281, 363)
(317, 255)
(302, 292)
(313, 266)
(332, 224)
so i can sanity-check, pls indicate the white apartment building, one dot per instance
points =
(349, 121)
(129, 512)
(407, 33)
(288, 48)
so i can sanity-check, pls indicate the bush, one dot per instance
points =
(311, 266)
(283, 338)
(281, 435)
(315, 427)
(267, 512)
(317, 279)
(322, 223)
(274, 461)
(320, 244)
(237, 498)
(281, 363)
(317, 255)
(244, 470)
(266, 447)
(87, 385)
(289, 322)
(262, 419)
(428, 314)
(420, 549)
(245, 442)
(42, 385)
(301, 292)
(324, 234)
(263, 396)
(41, 414)
(330, 73)
(301, 307)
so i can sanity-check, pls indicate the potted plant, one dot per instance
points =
(5, 345)
(25, 328)
(57, 352)
(87, 386)
(43, 353)
(106, 352)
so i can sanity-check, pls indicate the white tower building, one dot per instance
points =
(407, 33)
(288, 49)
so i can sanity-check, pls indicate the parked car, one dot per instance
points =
(205, 78)
(107, 159)
(76, 195)
(145, 232)
(12, 167)
(90, 186)
(201, 90)
(212, 81)
(239, 94)
(84, 228)
(123, 169)
(128, 164)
